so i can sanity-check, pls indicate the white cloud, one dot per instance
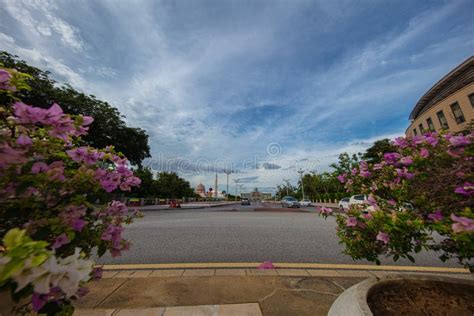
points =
(38, 17)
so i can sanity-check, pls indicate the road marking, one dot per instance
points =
(224, 265)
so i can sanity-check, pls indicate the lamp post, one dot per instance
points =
(301, 171)
(287, 181)
(227, 172)
(236, 183)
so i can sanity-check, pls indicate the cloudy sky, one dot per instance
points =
(263, 87)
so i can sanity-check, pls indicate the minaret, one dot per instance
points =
(215, 188)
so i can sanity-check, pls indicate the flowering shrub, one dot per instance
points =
(49, 188)
(419, 197)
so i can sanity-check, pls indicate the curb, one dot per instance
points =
(254, 265)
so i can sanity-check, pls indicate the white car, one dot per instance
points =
(358, 199)
(344, 203)
(305, 202)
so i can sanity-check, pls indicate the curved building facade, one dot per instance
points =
(448, 105)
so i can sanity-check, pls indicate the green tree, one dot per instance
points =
(147, 185)
(346, 163)
(108, 127)
(375, 153)
(171, 185)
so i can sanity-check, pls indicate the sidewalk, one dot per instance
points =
(229, 291)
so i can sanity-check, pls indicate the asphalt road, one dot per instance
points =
(239, 234)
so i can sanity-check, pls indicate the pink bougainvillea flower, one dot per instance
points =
(365, 173)
(60, 241)
(378, 166)
(82, 291)
(391, 158)
(38, 301)
(341, 178)
(24, 140)
(351, 221)
(87, 120)
(39, 167)
(424, 153)
(77, 154)
(406, 161)
(325, 210)
(461, 224)
(459, 140)
(4, 76)
(467, 189)
(367, 216)
(384, 237)
(78, 224)
(266, 265)
(436, 216)
(392, 202)
(97, 273)
(433, 141)
(400, 142)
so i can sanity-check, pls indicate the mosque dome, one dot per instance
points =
(200, 188)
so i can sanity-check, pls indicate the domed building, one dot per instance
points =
(200, 189)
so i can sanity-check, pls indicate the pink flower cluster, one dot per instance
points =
(62, 125)
(5, 77)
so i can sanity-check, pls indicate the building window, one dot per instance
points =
(430, 124)
(415, 132)
(421, 128)
(442, 120)
(471, 99)
(457, 112)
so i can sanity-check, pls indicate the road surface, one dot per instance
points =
(239, 234)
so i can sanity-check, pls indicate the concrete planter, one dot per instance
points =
(353, 301)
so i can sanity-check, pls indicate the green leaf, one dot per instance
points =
(13, 238)
(411, 258)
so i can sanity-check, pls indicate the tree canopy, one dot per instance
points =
(165, 185)
(375, 153)
(108, 127)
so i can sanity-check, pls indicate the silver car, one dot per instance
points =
(289, 201)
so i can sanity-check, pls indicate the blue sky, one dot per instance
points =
(264, 87)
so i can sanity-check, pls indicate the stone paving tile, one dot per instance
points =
(346, 283)
(292, 272)
(227, 272)
(182, 291)
(93, 312)
(109, 274)
(98, 291)
(156, 311)
(251, 309)
(324, 273)
(355, 273)
(258, 272)
(124, 274)
(208, 310)
(166, 273)
(381, 274)
(198, 272)
(141, 273)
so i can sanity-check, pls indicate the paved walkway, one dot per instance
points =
(226, 291)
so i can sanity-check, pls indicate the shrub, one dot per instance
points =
(424, 188)
(50, 225)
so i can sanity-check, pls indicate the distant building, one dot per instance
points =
(200, 190)
(256, 195)
(448, 105)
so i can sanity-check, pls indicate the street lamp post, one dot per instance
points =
(227, 172)
(236, 183)
(301, 171)
(287, 181)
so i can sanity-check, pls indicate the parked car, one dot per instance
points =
(344, 203)
(305, 202)
(358, 199)
(245, 201)
(289, 201)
